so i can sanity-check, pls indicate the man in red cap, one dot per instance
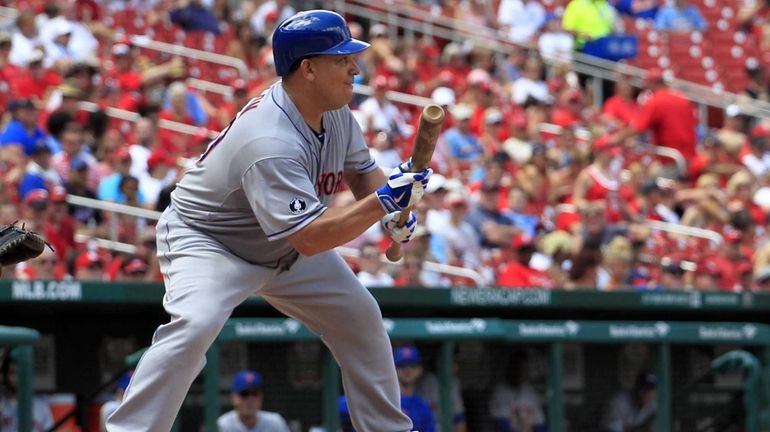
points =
(668, 114)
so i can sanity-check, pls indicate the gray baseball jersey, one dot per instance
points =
(269, 173)
(267, 421)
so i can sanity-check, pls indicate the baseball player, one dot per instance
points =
(247, 414)
(251, 217)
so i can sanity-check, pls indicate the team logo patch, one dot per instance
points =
(297, 206)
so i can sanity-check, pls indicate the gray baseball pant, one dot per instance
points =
(205, 282)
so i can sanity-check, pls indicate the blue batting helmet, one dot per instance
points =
(310, 33)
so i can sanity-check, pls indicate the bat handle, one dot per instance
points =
(394, 250)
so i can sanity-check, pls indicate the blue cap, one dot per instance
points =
(245, 380)
(407, 355)
(124, 380)
(36, 147)
(78, 164)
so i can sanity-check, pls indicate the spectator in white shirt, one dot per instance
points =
(531, 83)
(555, 43)
(462, 243)
(24, 41)
(372, 273)
(380, 113)
(520, 19)
(384, 151)
(281, 7)
(757, 159)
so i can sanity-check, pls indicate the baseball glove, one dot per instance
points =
(18, 244)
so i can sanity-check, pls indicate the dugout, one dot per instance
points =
(668, 342)
(20, 341)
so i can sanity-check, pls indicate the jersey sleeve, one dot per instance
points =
(281, 195)
(358, 159)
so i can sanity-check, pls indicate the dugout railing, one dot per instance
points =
(553, 334)
(19, 342)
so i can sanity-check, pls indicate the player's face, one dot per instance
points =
(334, 79)
(248, 401)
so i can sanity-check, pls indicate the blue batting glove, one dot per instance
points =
(403, 188)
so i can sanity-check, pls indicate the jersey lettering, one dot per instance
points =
(328, 183)
(249, 106)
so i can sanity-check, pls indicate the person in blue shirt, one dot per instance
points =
(462, 144)
(644, 9)
(680, 17)
(22, 130)
(409, 369)
(109, 187)
(195, 17)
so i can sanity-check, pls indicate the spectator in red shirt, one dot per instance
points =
(518, 273)
(89, 266)
(621, 108)
(37, 82)
(60, 227)
(670, 117)
(600, 181)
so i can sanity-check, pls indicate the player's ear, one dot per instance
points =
(307, 68)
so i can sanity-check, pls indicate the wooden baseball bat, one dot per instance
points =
(427, 134)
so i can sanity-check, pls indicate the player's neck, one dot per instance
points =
(306, 104)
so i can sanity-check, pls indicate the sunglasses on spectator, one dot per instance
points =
(249, 393)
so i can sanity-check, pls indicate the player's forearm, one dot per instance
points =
(337, 226)
(363, 185)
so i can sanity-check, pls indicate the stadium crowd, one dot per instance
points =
(537, 184)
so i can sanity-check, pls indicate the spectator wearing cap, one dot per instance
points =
(372, 271)
(555, 43)
(35, 208)
(462, 242)
(656, 201)
(520, 19)
(282, 8)
(568, 113)
(57, 35)
(621, 108)
(21, 134)
(384, 151)
(531, 85)
(557, 245)
(72, 142)
(381, 114)
(711, 274)
(37, 82)
(632, 409)
(589, 20)
(25, 40)
(492, 226)
(193, 16)
(161, 173)
(757, 158)
(600, 181)
(90, 266)
(110, 406)
(38, 173)
(133, 268)
(409, 370)
(493, 131)
(515, 404)
(462, 145)
(246, 395)
(681, 17)
(76, 185)
(668, 114)
(617, 260)
(672, 274)
(518, 273)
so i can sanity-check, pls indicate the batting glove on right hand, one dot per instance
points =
(403, 188)
(403, 234)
